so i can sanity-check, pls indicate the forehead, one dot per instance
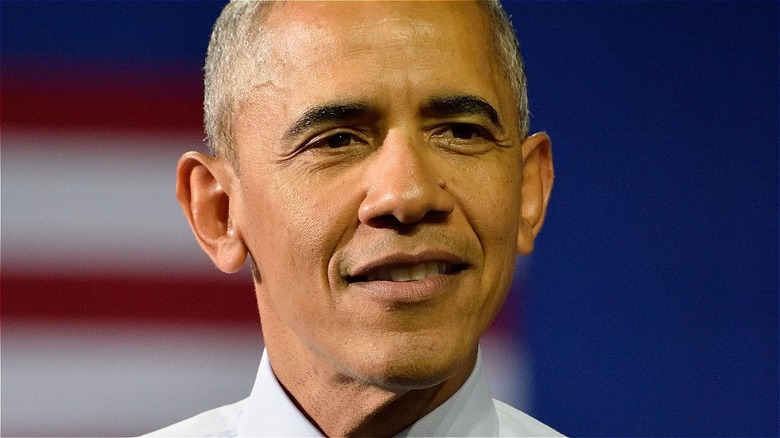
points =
(343, 21)
(307, 31)
(377, 50)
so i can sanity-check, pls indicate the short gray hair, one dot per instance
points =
(236, 51)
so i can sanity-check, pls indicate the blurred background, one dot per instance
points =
(649, 307)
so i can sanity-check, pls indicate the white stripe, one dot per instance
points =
(95, 203)
(84, 378)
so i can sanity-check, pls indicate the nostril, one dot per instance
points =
(385, 221)
(391, 221)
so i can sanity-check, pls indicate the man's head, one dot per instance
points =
(238, 51)
(386, 184)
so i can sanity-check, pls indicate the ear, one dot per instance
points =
(203, 189)
(536, 187)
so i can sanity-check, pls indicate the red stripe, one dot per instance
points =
(117, 97)
(128, 298)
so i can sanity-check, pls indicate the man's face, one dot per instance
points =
(379, 186)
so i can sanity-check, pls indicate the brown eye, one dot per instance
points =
(464, 132)
(336, 141)
(339, 140)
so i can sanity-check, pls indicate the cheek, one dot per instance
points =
(299, 229)
(491, 199)
(295, 224)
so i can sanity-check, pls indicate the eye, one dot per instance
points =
(335, 141)
(460, 132)
(338, 140)
(463, 138)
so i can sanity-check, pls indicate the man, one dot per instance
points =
(372, 159)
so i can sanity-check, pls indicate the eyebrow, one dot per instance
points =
(327, 114)
(461, 105)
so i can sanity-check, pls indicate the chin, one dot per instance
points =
(413, 368)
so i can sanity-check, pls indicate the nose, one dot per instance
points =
(405, 185)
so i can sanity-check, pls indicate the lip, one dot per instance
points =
(407, 292)
(389, 261)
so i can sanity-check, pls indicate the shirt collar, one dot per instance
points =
(469, 412)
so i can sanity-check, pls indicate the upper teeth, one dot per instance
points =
(409, 273)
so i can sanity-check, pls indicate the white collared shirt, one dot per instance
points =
(268, 411)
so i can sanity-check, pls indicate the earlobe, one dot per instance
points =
(202, 188)
(537, 184)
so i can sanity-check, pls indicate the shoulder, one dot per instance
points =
(512, 422)
(222, 422)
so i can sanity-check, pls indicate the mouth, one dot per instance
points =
(406, 272)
